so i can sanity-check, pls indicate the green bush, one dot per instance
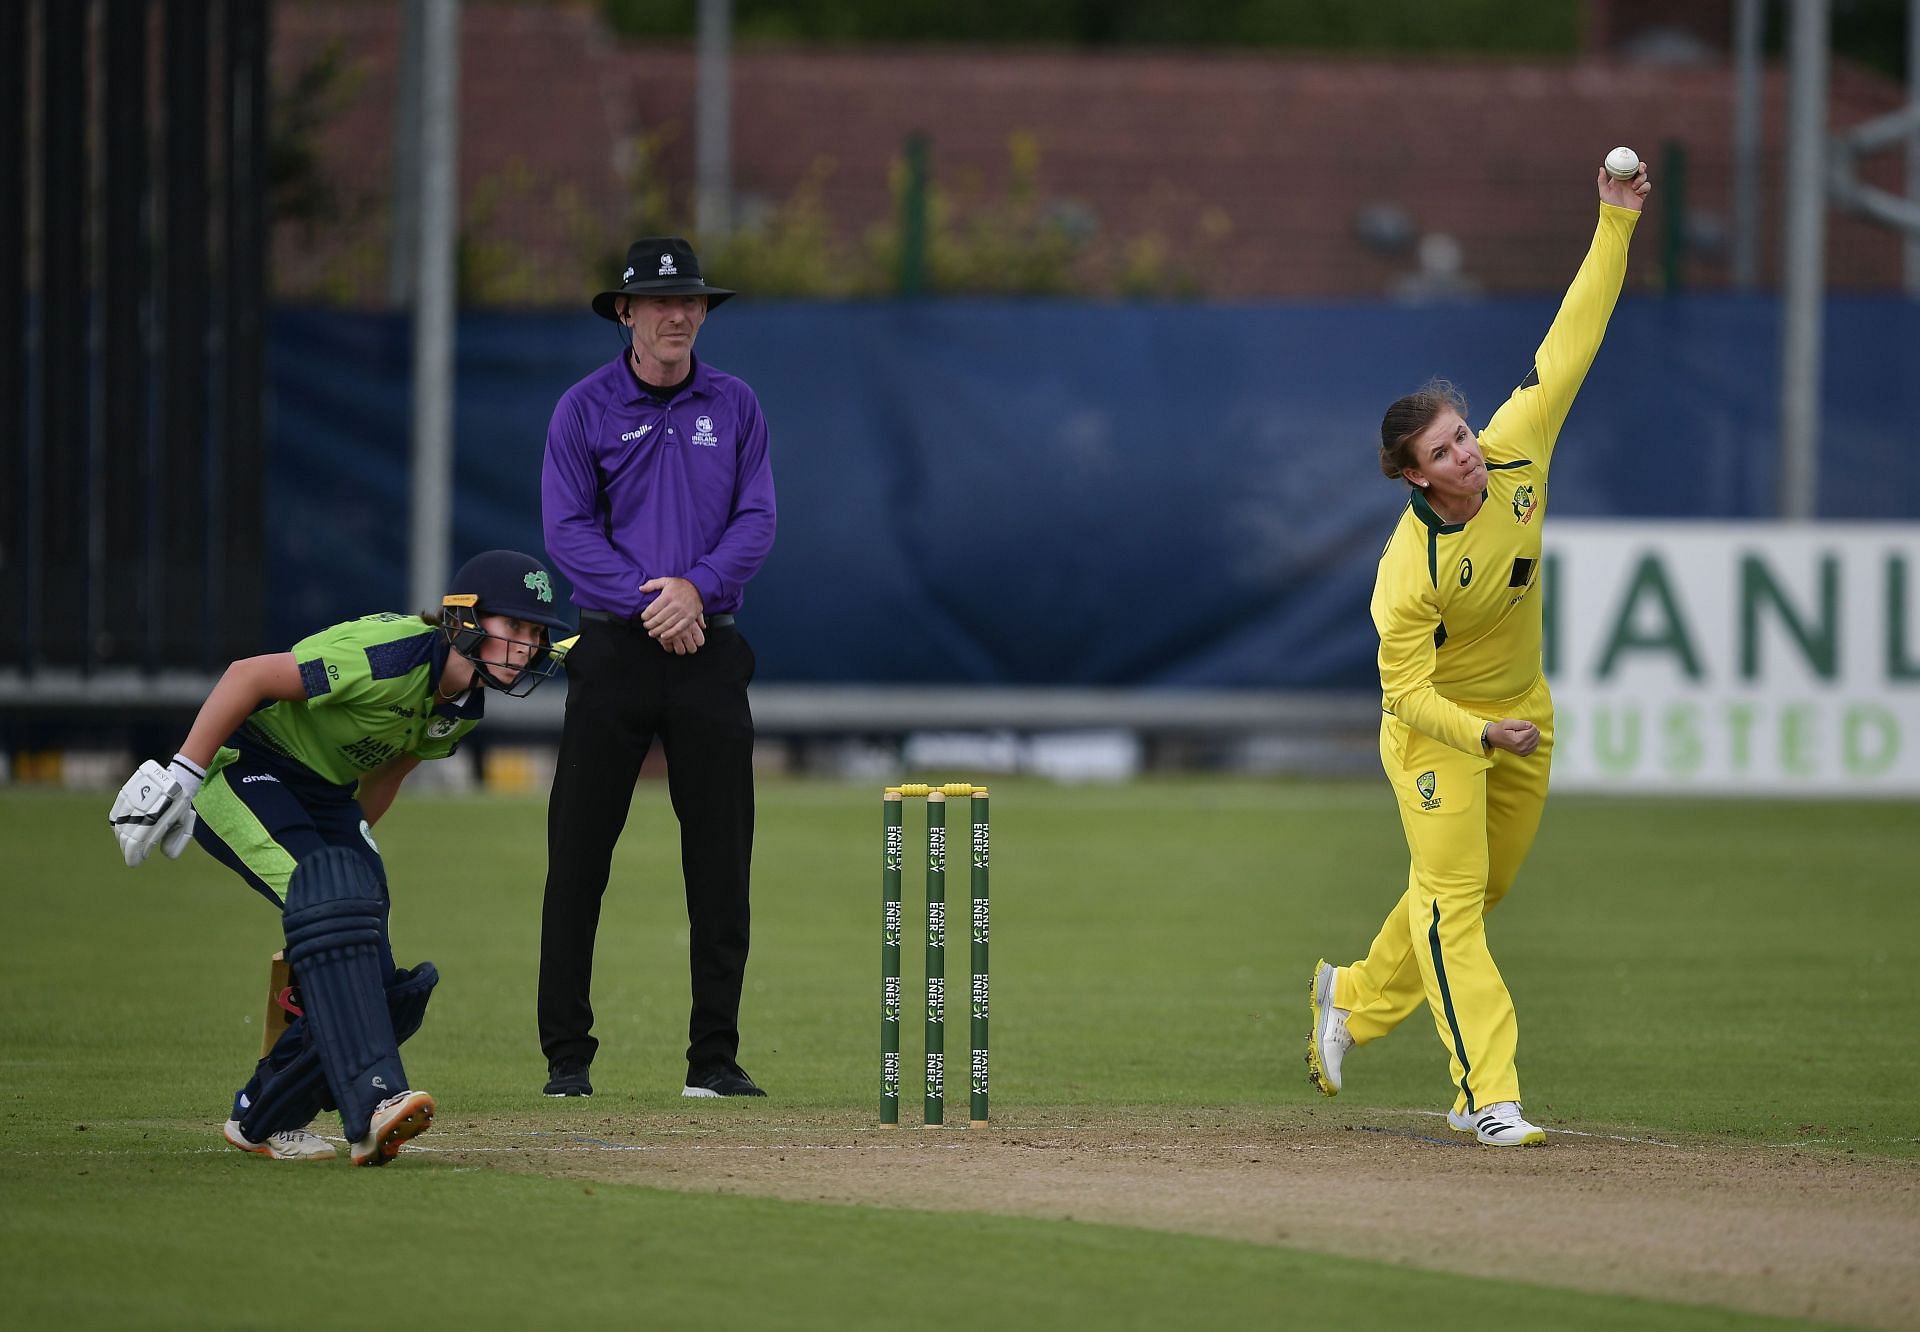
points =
(1018, 242)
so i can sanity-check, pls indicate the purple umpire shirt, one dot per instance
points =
(635, 489)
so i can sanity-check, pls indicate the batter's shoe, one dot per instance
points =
(1499, 1125)
(396, 1121)
(720, 1080)
(568, 1079)
(1328, 1042)
(293, 1145)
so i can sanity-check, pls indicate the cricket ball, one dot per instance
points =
(1623, 163)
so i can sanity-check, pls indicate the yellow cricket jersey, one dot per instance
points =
(1456, 604)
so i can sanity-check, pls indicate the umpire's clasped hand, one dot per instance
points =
(675, 618)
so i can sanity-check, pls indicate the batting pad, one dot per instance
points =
(335, 928)
(291, 1087)
(407, 995)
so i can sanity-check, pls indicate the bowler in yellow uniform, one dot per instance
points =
(1467, 731)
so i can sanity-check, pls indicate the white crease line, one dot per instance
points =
(599, 1145)
(587, 1148)
(1565, 1133)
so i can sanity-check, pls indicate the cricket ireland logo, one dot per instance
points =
(540, 584)
(1523, 504)
(1425, 784)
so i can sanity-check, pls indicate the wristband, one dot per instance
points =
(1483, 736)
(188, 773)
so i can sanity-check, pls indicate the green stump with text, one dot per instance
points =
(894, 854)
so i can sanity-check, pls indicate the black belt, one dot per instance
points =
(720, 621)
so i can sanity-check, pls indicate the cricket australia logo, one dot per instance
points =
(1426, 785)
(666, 266)
(703, 433)
(1523, 505)
(538, 583)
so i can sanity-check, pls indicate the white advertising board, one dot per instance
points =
(1736, 658)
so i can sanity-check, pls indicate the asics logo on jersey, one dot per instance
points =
(1466, 572)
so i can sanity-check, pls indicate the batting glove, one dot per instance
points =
(155, 807)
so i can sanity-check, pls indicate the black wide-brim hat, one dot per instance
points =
(659, 266)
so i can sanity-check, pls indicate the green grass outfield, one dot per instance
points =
(1746, 972)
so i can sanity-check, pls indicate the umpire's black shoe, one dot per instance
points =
(568, 1080)
(720, 1080)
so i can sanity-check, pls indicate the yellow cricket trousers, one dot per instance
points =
(1469, 821)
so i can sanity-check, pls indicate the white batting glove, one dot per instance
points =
(155, 807)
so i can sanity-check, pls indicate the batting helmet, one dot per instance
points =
(503, 582)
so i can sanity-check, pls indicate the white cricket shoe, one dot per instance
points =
(1328, 1043)
(1499, 1125)
(293, 1145)
(395, 1121)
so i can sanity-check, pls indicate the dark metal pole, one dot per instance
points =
(179, 590)
(1673, 208)
(244, 613)
(403, 214)
(60, 512)
(125, 313)
(913, 219)
(1747, 22)
(1912, 249)
(14, 571)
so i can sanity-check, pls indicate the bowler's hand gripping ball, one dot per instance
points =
(1623, 163)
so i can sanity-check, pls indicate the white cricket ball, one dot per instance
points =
(1623, 163)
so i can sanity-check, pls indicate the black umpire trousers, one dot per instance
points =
(623, 690)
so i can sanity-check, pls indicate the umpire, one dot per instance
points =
(657, 499)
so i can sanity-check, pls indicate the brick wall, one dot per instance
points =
(1250, 171)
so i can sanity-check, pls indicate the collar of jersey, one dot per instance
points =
(1424, 511)
(634, 393)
